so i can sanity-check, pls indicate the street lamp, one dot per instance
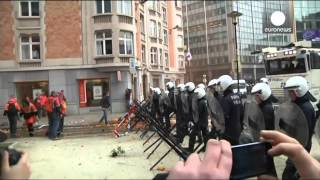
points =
(235, 16)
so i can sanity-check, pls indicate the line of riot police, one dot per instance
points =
(232, 119)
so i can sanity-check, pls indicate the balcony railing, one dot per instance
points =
(125, 19)
(102, 18)
(30, 63)
(104, 59)
(124, 59)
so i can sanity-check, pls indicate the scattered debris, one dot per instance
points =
(117, 152)
(161, 168)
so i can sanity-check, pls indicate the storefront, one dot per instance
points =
(83, 88)
(31, 89)
(91, 91)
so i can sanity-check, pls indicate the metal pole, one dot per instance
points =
(161, 159)
(236, 54)
(188, 40)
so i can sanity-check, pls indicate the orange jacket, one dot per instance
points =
(31, 118)
(12, 101)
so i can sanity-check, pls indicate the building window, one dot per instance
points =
(181, 61)
(166, 59)
(143, 52)
(152, 5)
(164, 14)
(179, 41)
(165, 37)
(126, 43)
(160, 32)
(124, 7)
(153, 55)
(156, 82)
(104, 42)
(30, 47)
(92, 91)
(103, 6)
(29, 8)
(142, 23)
(153, 28)
(160, 59)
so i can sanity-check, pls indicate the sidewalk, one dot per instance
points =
(71, 120)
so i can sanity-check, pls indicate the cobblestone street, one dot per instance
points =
(89, 157)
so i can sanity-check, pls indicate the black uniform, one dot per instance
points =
(233, 113)
(155, 105)
(170, 107)
(213, 94)
(290, 172)
(185, 114)
(268, 113)
(165, 110)
(179, 118)
(201, 125)
(194, 118)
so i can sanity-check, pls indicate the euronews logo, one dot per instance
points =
(277, 22)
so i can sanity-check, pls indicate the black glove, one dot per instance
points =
(21, 114)
(5, 113)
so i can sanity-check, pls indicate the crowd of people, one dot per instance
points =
(193, 105)
(54, 107)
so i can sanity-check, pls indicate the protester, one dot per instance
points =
(21, 170)
(11, 110)
(63, 103)
(43, 101)
(37, 103)
(29, 113)
(105, 104)
(53, 108)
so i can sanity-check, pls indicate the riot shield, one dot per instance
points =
(290, 119)
(184, 100)
(317, 130)
(164, 102)
(195, 111)
(253, 123)
(216, 112)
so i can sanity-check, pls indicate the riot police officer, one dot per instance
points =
(181, 124)
(202, 124)
(155, 111)
(299, 94)
(264, 99)
(201, 85)
(211, 94)
(233, 110)
(193, 116)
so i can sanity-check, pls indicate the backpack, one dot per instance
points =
(12, 109)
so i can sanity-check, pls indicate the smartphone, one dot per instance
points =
(250, 160)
